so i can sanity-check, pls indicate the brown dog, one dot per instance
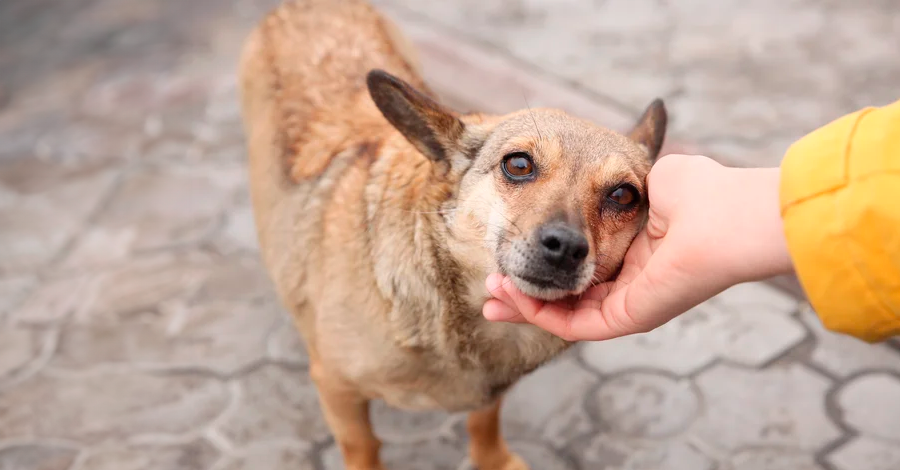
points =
(380, 213)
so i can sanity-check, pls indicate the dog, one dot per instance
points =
(381, 212)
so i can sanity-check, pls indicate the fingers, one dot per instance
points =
(551, 316)
(496, 310)
(600, 314)
(501, 307)
(494, 284)
(572, 322)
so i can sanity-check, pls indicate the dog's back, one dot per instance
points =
(308, 115)
(303, 80)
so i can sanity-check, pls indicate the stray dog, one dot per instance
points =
(380, 213)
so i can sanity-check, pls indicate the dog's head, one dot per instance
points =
(554, 199)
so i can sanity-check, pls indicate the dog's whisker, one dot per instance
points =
(531, 113)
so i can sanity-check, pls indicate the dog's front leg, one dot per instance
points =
(487, 449)
(347, 414)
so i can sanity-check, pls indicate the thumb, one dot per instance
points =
(650, 299)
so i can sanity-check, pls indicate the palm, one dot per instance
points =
(599, 313)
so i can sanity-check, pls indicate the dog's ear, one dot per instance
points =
(432, 129)
(650, 130)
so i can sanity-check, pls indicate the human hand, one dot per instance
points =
(709, 227)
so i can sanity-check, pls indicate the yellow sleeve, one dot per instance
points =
(840, 201)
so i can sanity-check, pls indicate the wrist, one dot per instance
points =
(757, 228)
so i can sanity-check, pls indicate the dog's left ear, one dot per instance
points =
(432, 129)
(650, 131)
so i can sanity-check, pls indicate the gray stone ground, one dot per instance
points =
(137, 330)
(743, 78)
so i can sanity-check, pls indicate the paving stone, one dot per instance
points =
(782, 406)
(239, 232)
(284, 344)
(232, 148)
(536, 455)
(38, 221)
(56, 299)
(767, 92)
(768, 78)
(18, 347)
(844, 355)
(158, 208)
(275, 403)
(145, 283)
(645, 405)
(726, 328)
(235, 278)
(296, 457)
(868, 453)
(195, 455)
(61, 156)
(178, 99)
(12, 291)
(610, 452)
(869, 404)
(171, 151)
(601, 451)
(223, 106)
(773, 459)
(402, 426)
(756, 296)
(78, 146)
(548, 404)
(431, 455)
(858, 45)
(37, 457)
(111, 406)
(540, 456)
(675, 457)
(755, 337)
(592, 43)
(21, 129)
(221, 336)
(681, 347)
(205, 141)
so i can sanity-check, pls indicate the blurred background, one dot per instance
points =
(138, 330)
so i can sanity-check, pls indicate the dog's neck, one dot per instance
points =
(467, 245)
(439, 306)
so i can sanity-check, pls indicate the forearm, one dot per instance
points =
(755, 229)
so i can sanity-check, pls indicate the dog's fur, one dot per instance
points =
(380, 213)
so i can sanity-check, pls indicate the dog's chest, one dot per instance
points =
(452, 389)
(475, 375)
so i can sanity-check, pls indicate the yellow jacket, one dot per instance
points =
(840, 201)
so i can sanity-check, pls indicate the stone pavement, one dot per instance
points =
(138, 331)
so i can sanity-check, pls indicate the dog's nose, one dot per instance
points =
(563, 246)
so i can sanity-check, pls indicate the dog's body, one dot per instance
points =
(379, 240)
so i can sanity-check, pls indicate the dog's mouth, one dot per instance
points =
(539, 291)
(543, 283)
(545, 288)
(536, 276)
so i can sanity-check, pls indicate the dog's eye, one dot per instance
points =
(518, 166)
(624, 195)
